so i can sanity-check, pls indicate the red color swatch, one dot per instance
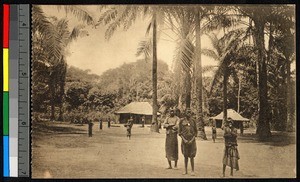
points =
(5, 25)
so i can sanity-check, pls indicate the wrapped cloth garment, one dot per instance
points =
(188, 130)
(171, 145)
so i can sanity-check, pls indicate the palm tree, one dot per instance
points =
(117, 16)
(260, 18)
(54, 37)
(223, 53)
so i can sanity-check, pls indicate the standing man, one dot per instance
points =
(100, 123)
(143, 121)
(90, 123)
(108, 122)
(188, 132)
(171, 146)
(231, 154)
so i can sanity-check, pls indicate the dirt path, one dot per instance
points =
(65, 151)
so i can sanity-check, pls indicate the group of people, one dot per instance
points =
(186, 128)
(91, 124)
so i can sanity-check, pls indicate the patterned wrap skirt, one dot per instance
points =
(189, 150)
(172, 146)
(231, 157)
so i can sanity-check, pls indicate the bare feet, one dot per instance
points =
(169, 167)
(184, 173)
(192, 173)
(175, 168)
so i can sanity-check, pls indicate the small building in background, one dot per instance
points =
(137, 110)
(237, 119)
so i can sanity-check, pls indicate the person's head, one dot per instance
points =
(172, 112)
(230, 122)
(188, 113)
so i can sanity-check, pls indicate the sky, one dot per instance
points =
(97, 54)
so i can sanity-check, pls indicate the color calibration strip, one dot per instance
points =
(6, 16)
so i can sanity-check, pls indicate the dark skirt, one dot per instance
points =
(172, 147)
(231, 157)
(189, 150)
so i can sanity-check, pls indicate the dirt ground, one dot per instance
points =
(62, 150)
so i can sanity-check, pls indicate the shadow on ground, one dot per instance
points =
(277, 139)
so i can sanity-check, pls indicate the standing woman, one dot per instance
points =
(231, 154)
(171, 146)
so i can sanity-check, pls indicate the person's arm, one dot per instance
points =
(195, 128)
(166, 124)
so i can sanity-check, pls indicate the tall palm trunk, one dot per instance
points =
(263, 128)
(198, 77)
(62, 90)
(188, 90)
(154, 126)
(52, 93)
(289, 124)
(225, 75)
(239, 96)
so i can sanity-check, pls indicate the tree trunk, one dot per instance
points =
(52, 102)
(224, 95)
(289, 123)
(154, 126)
(239, 95)
(188, 90)
(263, 126)
(198, 77)
(62, 89)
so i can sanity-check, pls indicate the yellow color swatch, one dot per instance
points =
(5, 69)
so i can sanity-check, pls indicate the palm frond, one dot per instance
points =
(79, 13)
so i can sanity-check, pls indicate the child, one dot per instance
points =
(214, 133)
(90, 128)
(128, 126)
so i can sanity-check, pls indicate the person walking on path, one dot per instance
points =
(171, 145)
(231, 154)
(108, 123)
(143, 121)
(128, 126)
(214, 132)
(100, 124)
(90, 125)
(188, 132)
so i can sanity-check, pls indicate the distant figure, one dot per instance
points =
(143, 121)
(90, 124)
(188, 132)
(242, 128)
(100, 124)
(171, 124)
(214, 132)
(231, 154)
(108, 122)
(128, 126)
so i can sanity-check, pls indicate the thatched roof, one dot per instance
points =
(142, 108)
(235, 116)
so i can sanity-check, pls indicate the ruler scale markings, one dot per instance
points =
(24, 65)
